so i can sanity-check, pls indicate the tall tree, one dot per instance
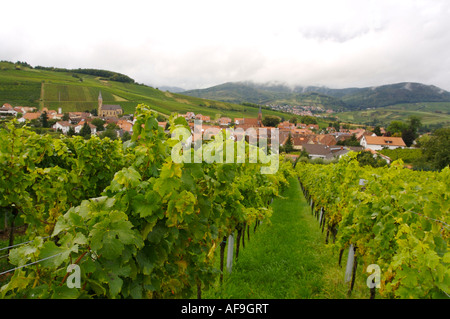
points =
(408, 136)
(289, 146)
(415, 123)
(44, 119)
(437, 150)
(85, 131)
(377, 130)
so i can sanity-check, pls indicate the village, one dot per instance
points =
(327, 144)
(300, 109)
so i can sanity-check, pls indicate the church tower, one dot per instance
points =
(100, 104)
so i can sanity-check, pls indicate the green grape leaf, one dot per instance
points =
(21, 255)
(54, 255)
(112, 247)
(147, 259)
(115, 284)
(146, 205)
(157, 234)
(64, 292)
(128, 177)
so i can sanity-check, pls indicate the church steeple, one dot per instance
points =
(100, 104)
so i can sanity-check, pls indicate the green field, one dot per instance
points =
(408, 156)
(287, 258)
(24, 86)
(429, 112)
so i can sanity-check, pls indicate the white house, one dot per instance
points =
(63, 126)
(7, 110)
(377, 143)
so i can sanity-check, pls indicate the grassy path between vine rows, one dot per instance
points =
(288, 259)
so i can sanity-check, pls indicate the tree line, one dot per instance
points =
(109, 75)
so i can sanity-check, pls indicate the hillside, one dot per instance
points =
(347, 99)
(240, 92)
(394, 94)
(430, 113)
(78, 89)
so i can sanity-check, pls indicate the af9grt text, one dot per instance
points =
(229, 309)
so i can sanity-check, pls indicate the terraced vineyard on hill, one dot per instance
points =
(26, 86)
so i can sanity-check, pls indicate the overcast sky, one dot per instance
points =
(197, 44)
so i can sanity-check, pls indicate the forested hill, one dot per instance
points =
(338, 99)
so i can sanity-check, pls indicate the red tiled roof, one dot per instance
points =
(383, 140)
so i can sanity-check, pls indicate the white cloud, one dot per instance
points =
(202, 43)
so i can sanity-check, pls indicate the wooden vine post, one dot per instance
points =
(230, 253)
(352, 262)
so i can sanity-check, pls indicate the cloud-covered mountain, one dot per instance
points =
(338, 99)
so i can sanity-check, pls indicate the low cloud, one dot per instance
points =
(201, 43)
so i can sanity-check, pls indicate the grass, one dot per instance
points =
(288, 259)
(19, 92)
(429, 112)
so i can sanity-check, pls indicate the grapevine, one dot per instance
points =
(394, 217)
(154, 229)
